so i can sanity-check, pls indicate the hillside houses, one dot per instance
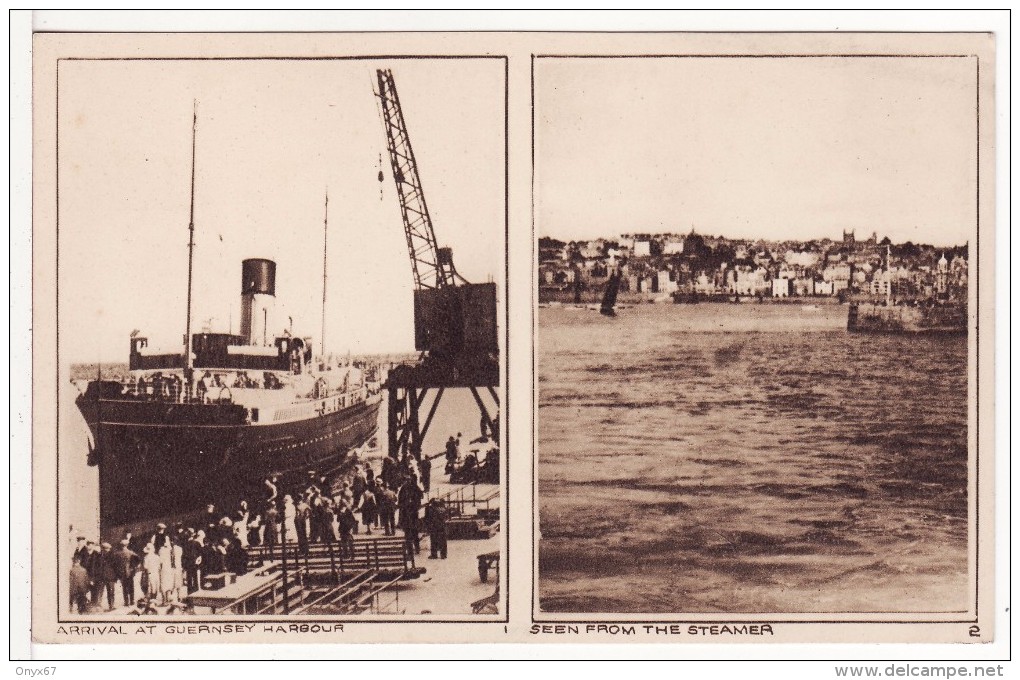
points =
(662, 264)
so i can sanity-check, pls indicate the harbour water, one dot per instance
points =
(749, 458)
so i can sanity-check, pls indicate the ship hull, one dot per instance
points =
(160, 461)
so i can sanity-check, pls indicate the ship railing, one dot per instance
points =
(172, 392)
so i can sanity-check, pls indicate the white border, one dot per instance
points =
(22, 23)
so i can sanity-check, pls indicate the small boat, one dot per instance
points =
(609, 299)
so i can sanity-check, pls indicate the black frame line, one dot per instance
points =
(759, 617)
(504, 525)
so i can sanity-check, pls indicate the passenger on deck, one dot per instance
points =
(205, 386)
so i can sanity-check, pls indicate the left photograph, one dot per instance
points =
(280, 313)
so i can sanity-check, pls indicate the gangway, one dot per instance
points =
(321, 578)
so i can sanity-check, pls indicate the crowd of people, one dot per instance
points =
(164, 565)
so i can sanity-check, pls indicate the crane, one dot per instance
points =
(431, 265)
(454, 321)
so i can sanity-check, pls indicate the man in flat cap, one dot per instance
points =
(108, 574)
(92, 560)
(126, 565)
(79, 548)
(80, 585)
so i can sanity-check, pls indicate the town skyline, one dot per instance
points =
(832, 236)
(705, 265)
(721, 236)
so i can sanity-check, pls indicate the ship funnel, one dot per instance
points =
(258, 292)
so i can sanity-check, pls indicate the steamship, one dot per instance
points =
(212, 423)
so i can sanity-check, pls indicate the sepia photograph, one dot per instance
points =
(756, 334)
(670, 341)
(279, 295)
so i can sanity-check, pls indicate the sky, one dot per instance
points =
(272, 138)
(792, 148)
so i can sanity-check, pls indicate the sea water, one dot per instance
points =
(748, 458)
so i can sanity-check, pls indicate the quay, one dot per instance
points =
(382, 576)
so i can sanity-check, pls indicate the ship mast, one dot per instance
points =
(188, 364)
(325, 242)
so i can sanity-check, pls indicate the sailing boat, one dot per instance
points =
(609, 299)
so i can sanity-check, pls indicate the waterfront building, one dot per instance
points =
(781, 287)
(881, 284)
(667, 282)
(824, 288)
(803, 286)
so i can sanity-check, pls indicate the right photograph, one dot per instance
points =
(754, 357)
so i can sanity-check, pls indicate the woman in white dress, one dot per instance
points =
(150, 572)
(289, 517)
(171, 573)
